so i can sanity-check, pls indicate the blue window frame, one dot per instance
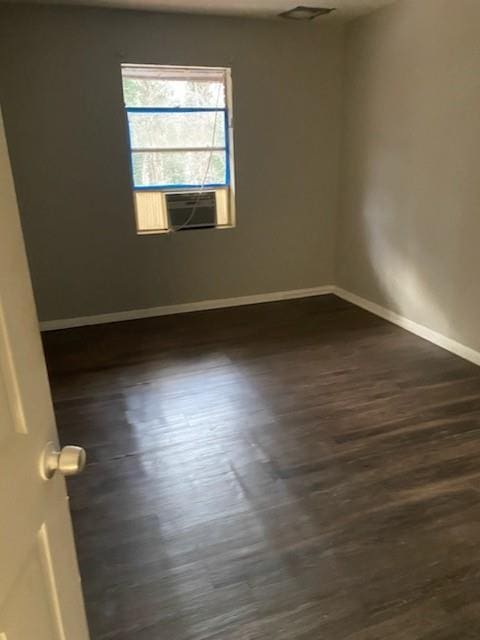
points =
(190, 143)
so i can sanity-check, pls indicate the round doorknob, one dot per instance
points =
(68, 461)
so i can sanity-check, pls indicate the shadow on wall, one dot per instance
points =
(409, 219)
(379, 257)
(378, 241)
(403, 288)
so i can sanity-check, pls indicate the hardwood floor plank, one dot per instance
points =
(298, 469)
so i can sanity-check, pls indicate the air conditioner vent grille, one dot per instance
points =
(191, 210)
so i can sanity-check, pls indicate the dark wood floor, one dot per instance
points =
(298, 470)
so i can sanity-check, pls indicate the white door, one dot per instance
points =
(40, 593)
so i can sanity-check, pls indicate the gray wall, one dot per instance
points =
(61, 95)
(409, 226)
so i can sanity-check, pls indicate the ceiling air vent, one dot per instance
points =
(305, 13)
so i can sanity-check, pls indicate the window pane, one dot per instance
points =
(177, 130)
(151, 169)
(139, 92)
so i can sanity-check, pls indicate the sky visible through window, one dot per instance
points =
(176, 148)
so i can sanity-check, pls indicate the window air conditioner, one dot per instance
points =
(191, 210)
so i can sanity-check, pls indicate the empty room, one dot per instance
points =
(239, 320)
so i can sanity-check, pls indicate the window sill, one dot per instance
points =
(166, 232)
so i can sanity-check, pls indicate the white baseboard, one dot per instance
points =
(436, 338)
(204, 305)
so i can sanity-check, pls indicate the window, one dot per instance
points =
(180, 133)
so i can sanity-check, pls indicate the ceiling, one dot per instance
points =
(344, 9)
